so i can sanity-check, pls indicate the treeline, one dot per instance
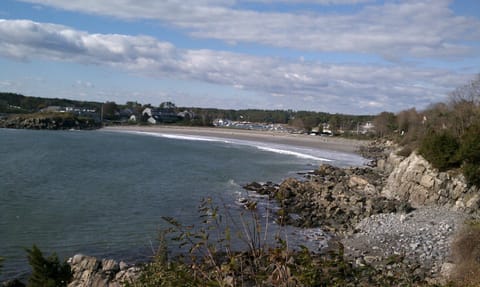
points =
(15, 103)
(338, 123)
(446, 134)
(299, 119)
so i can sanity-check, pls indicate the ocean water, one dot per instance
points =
(103, 193)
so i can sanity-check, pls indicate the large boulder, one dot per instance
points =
(414, 180)
(91, 272)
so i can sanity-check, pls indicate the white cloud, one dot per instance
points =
(305, 83)
(421, 28)
(319, 2)
(83, 84)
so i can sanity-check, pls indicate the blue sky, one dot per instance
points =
(338, 56)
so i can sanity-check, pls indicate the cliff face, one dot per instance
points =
(414, 180)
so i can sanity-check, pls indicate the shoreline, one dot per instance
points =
(296, 140)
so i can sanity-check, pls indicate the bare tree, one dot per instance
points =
(407, 120)
(467, 93)
(384, 123)
(465, 105)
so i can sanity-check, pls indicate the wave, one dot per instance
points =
(179, 137)
(278, 149)
(291, 152)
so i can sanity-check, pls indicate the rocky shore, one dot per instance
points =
(397, 213)
(90, 271)
(48, 122)
(330, 197)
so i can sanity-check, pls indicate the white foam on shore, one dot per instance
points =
(193, 138)
(178, 136)
(291, 152)
(275, 148)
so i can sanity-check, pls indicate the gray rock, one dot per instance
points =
(90, 272)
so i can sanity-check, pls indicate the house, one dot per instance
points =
(154, 115)
(53, 109)
(221, 123)
(186, 115)
(326, 129)
(367, 128)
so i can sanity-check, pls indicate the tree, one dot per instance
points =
(441, 150)
(335, 123)
(465, 102)
(109, 110)
(47, 272)
(470, 153)
(384, 123)
(407, 120)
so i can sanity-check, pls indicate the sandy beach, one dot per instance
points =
(298, 140)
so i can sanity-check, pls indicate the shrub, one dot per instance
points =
(466, 255)
(441, 150)
(470, 153)
(47, 272)
(472, 173)
(405, 151)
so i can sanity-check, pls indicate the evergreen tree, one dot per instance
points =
(47, 272)
(441, 150)
(470, 153)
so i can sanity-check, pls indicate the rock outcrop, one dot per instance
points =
(413, 179)
(330, 197)
(371, 210)
(92, 272)
(48, 122)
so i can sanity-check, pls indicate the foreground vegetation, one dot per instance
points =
(207, 258)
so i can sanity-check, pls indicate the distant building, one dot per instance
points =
(221, 123)
(186, 115)
(326, 129)
(367, 127)
(53, 109)
(154, 115)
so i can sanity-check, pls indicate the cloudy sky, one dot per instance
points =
(338, 56)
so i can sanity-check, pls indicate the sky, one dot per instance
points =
(336, 56)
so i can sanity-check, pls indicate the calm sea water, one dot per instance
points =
(103, 193)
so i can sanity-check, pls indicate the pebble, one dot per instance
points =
(424, 238)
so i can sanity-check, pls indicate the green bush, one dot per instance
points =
(470, 153)
(47, 272)
(441, 150)
(472, 173)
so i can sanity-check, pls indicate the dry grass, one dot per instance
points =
(466, 254)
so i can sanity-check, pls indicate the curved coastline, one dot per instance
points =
(296, 140)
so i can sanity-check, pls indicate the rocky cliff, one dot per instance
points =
(414, 180)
